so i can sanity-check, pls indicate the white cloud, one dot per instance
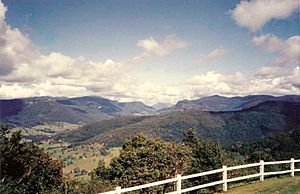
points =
(150, 45)
(153, 48)
(269, 42)
(215, 53)
(26, 71)
(281, 76)
(212, 83)
(15, 48)
(216, 83)
(278, 85)
(288, 51)
(255, 14)
(160, 49)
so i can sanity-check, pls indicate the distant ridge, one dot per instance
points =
(159, 106)
(37, 110)
(220, 103)
(87, 109)
(227, 127)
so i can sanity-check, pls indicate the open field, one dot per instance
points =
(47, 129)
(79, 160)
(282, 185)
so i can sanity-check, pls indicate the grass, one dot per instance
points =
(79, 158)
(47, 129)
(278, 185)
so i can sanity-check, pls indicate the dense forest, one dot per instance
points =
(246, 125)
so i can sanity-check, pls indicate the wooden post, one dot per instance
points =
(178, 185)
(261, 170)
(292, 167)
(118, 190)
(225, 178)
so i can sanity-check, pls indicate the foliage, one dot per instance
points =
(205, 156)
(77, 186)
(227, 128)
(89, 131)
(143, 160)
(25, 168)
(280, 146)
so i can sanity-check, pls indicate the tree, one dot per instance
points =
(190, 139)
(205, 156)
(143, 160)
(25, 168)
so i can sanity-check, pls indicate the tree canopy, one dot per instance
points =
(25, 168)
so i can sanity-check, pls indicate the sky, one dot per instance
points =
(149, 50)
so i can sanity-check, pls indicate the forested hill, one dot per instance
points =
(225, 127)
(86, 109)
(29, 112)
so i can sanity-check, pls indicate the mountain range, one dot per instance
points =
(87, 109)
(220, 103)
(251, 124)
(38, 110)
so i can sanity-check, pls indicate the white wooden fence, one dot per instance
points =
(224, 180)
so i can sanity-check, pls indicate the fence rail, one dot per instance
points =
(224, 180)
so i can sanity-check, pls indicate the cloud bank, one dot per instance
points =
(27, 71)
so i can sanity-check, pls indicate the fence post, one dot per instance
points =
(118, 190)
(178, 185)
(292, 167)
(225, 178)
(261, 170)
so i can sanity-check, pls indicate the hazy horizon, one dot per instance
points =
(149, 51)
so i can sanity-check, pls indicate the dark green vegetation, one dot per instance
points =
(29, 112)
(25, 168)
(266, 131)
(280, 146)
(143, 160)
(225, 127)
(89, 131)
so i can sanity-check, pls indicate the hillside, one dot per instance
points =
(285, 185)
(220, 103)
(28, 112)
(159, 106)
(226, 127)
(34, 111)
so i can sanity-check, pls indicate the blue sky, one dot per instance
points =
(201, 36)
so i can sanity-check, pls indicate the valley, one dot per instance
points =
(81, 131)
(79, 161)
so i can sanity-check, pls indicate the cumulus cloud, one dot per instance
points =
(255, 14)
(281, 76)
(279, 85)
(27, 71)
(288, 51)
(216, 83)
(237, 83)
(15, 48)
